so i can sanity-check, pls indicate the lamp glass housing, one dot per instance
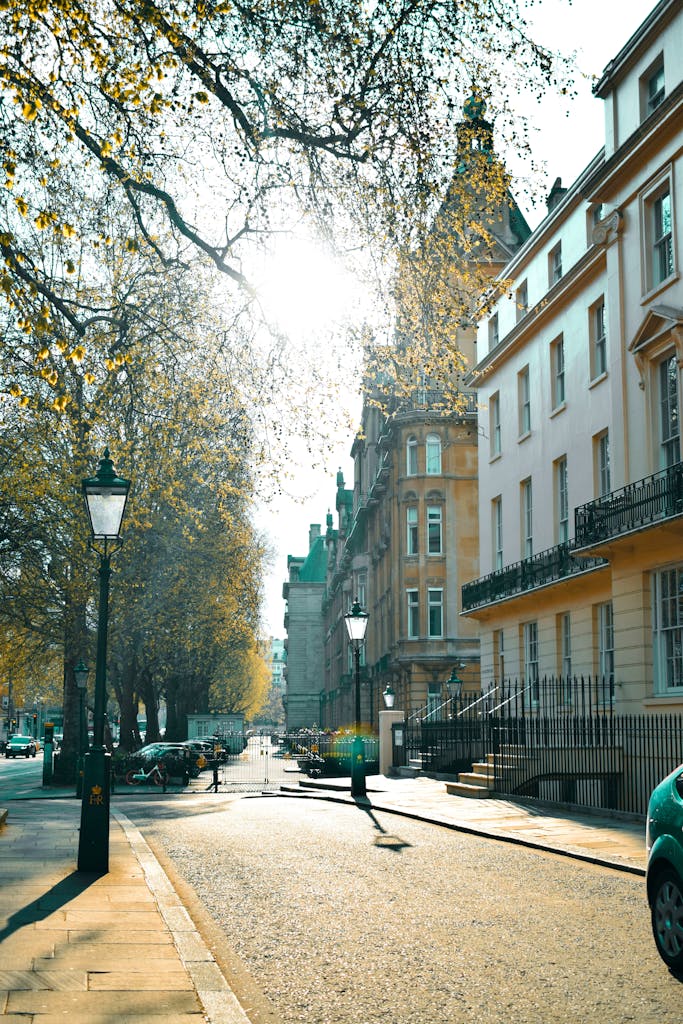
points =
(356, 623)
(81, 672)
(389, 697)
(105, 498)
(454, 685)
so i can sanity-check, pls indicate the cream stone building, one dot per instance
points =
(579, 384)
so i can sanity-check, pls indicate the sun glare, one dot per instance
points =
(304, 290)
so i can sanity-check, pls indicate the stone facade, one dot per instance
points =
(303, 593)
(580, 483)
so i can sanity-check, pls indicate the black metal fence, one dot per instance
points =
(638, 504)
(545, 567)
(555, 739)
(321, 753)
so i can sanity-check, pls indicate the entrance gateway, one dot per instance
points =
(263, 765)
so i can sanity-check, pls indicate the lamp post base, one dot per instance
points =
(93, 843)
(358, 767)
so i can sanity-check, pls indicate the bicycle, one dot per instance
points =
(157, 774)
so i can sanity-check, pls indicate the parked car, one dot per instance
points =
(203, 752)
(664, 839)
(21, 746)
(175, 757)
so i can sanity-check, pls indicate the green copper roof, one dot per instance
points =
(314, 569)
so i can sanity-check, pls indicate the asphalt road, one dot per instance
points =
(20, 774)
(342, 916)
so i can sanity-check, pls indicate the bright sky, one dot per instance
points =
(567, 136)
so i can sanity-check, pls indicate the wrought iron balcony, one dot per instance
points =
(537, 571)
(435, 400)
(639, 504)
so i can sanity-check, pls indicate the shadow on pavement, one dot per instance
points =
(45, 904)
(386, 840)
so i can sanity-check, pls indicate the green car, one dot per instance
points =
(664, 840)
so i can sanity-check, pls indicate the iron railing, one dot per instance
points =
(538, 570)
(555, 739)
(639, 504)
(610, 762)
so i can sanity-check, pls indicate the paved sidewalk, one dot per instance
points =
(612, 841)
(114, 949)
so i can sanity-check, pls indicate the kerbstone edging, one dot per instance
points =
(219, 1002)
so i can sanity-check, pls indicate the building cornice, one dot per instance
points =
(557, 296)
(647, 31)
(649, 133)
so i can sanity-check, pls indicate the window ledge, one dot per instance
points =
(664, 699)
(523, 437)
(662, 286)
(496, 457)
(558, 409)
(598, 380)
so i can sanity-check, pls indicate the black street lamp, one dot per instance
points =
(389, 697)
(81, 672)
(454, 687)
(105, 497)
(356, 625)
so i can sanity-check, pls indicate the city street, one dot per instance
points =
(343, 915)
(21, 774)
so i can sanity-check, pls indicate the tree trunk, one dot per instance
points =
(151, 709)
(75, 647)
(129, 734)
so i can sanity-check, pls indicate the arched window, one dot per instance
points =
(411, 456)
(433, 454)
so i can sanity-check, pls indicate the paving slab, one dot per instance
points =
(119, 948)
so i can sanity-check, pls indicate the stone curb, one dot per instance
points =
(219, 1002)
(498, 836)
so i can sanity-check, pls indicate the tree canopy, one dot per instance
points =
(215, 121)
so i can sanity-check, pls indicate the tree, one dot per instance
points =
(169, 416)
(217, 122)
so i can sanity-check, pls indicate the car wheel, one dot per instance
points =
(667, 918)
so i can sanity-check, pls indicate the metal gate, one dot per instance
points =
(264, 764)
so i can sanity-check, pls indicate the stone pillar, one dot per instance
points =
(386, 720)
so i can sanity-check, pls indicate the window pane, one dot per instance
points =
(662, 249)
(433, 454)
(434, 531)
(668, 403)
(413, 613)
(562, 502)
(435, 600)
(413, 534)
(411, 456)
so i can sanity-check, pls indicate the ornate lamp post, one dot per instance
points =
(81, 672)
(389, 697)
(105, 496)
(356, 625)
(454, 687)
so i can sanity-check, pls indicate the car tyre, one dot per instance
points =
(667, 918)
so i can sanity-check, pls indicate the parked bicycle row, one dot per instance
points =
(158, 763)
